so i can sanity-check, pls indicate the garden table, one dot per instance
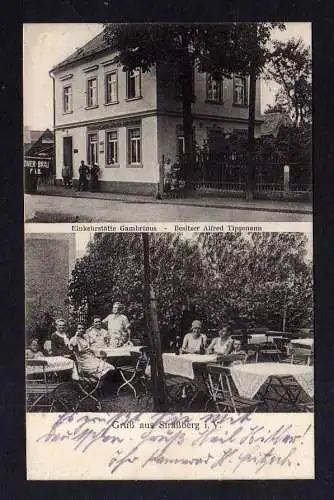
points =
(249, 378)
(183, 364)
(48, 364)
(305, 343)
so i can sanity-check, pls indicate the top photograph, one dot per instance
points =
(167, 122)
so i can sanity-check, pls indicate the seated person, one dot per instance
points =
(96, 335)
(33, 350)
(118, 326)
(222, 344)
(89, 364)
(47, 348)
(194, 342)
(60, 340)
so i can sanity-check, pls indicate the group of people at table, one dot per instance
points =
(86, 342)
(114, 332)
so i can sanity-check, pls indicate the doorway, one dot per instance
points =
(68, 154)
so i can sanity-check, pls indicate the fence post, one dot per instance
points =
(160, 185)
(286, 178)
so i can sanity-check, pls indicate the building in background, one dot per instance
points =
(128, 122)
(30, 137)
(39, 164)
(49, 261)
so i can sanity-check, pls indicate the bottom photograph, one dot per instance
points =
(166, 322)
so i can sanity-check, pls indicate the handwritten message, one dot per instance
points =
(169, 446)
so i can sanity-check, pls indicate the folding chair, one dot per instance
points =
(270, 350)
(135, 374)
(300, 356)
(39, 387)
(83, 389)
(223, 392)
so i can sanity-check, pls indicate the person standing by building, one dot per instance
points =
(83, 172)
(94, 172)
(66, 173)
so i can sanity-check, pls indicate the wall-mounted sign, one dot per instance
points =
(121, 122)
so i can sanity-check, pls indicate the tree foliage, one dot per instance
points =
(291, 68)
(247, 280)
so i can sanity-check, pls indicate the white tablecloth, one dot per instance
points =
(259, 338)
(182, 364)
(250, 377)
(52, 364)
(112, 352)
(302, 342)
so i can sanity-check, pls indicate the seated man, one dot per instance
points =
(118, 326)
(195, 341)
(33, 351)
(96, 335)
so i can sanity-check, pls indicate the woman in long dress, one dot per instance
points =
(89, 365)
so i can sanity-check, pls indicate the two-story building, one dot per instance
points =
(130, 122)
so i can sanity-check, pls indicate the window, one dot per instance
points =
(67, 99)
(178, 84)
(92, 156)
(134, 146)
(180, 145)
(92, 92)
(214, 90)
(111, 91)
(133, 84)
(240, 90)
(112, 147)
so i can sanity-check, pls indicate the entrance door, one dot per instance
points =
(68, 153)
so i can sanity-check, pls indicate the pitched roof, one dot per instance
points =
(44, 146)
(94, 46)
(273, 122)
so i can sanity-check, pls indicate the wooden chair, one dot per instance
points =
(300, 356)
(268, 350)
(82, 393)
(223, 393)
(135, 375)
(40, 387)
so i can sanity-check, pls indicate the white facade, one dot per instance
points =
(101, 113)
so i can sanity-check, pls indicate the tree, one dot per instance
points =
(230, 276)
(113, 270)
(218, 49)
(291, 68)
(251, 275)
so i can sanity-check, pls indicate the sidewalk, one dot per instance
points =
(196, 201)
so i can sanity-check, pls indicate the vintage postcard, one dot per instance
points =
(168, 251)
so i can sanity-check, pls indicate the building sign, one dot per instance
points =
(33, 163)
(122, 122)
